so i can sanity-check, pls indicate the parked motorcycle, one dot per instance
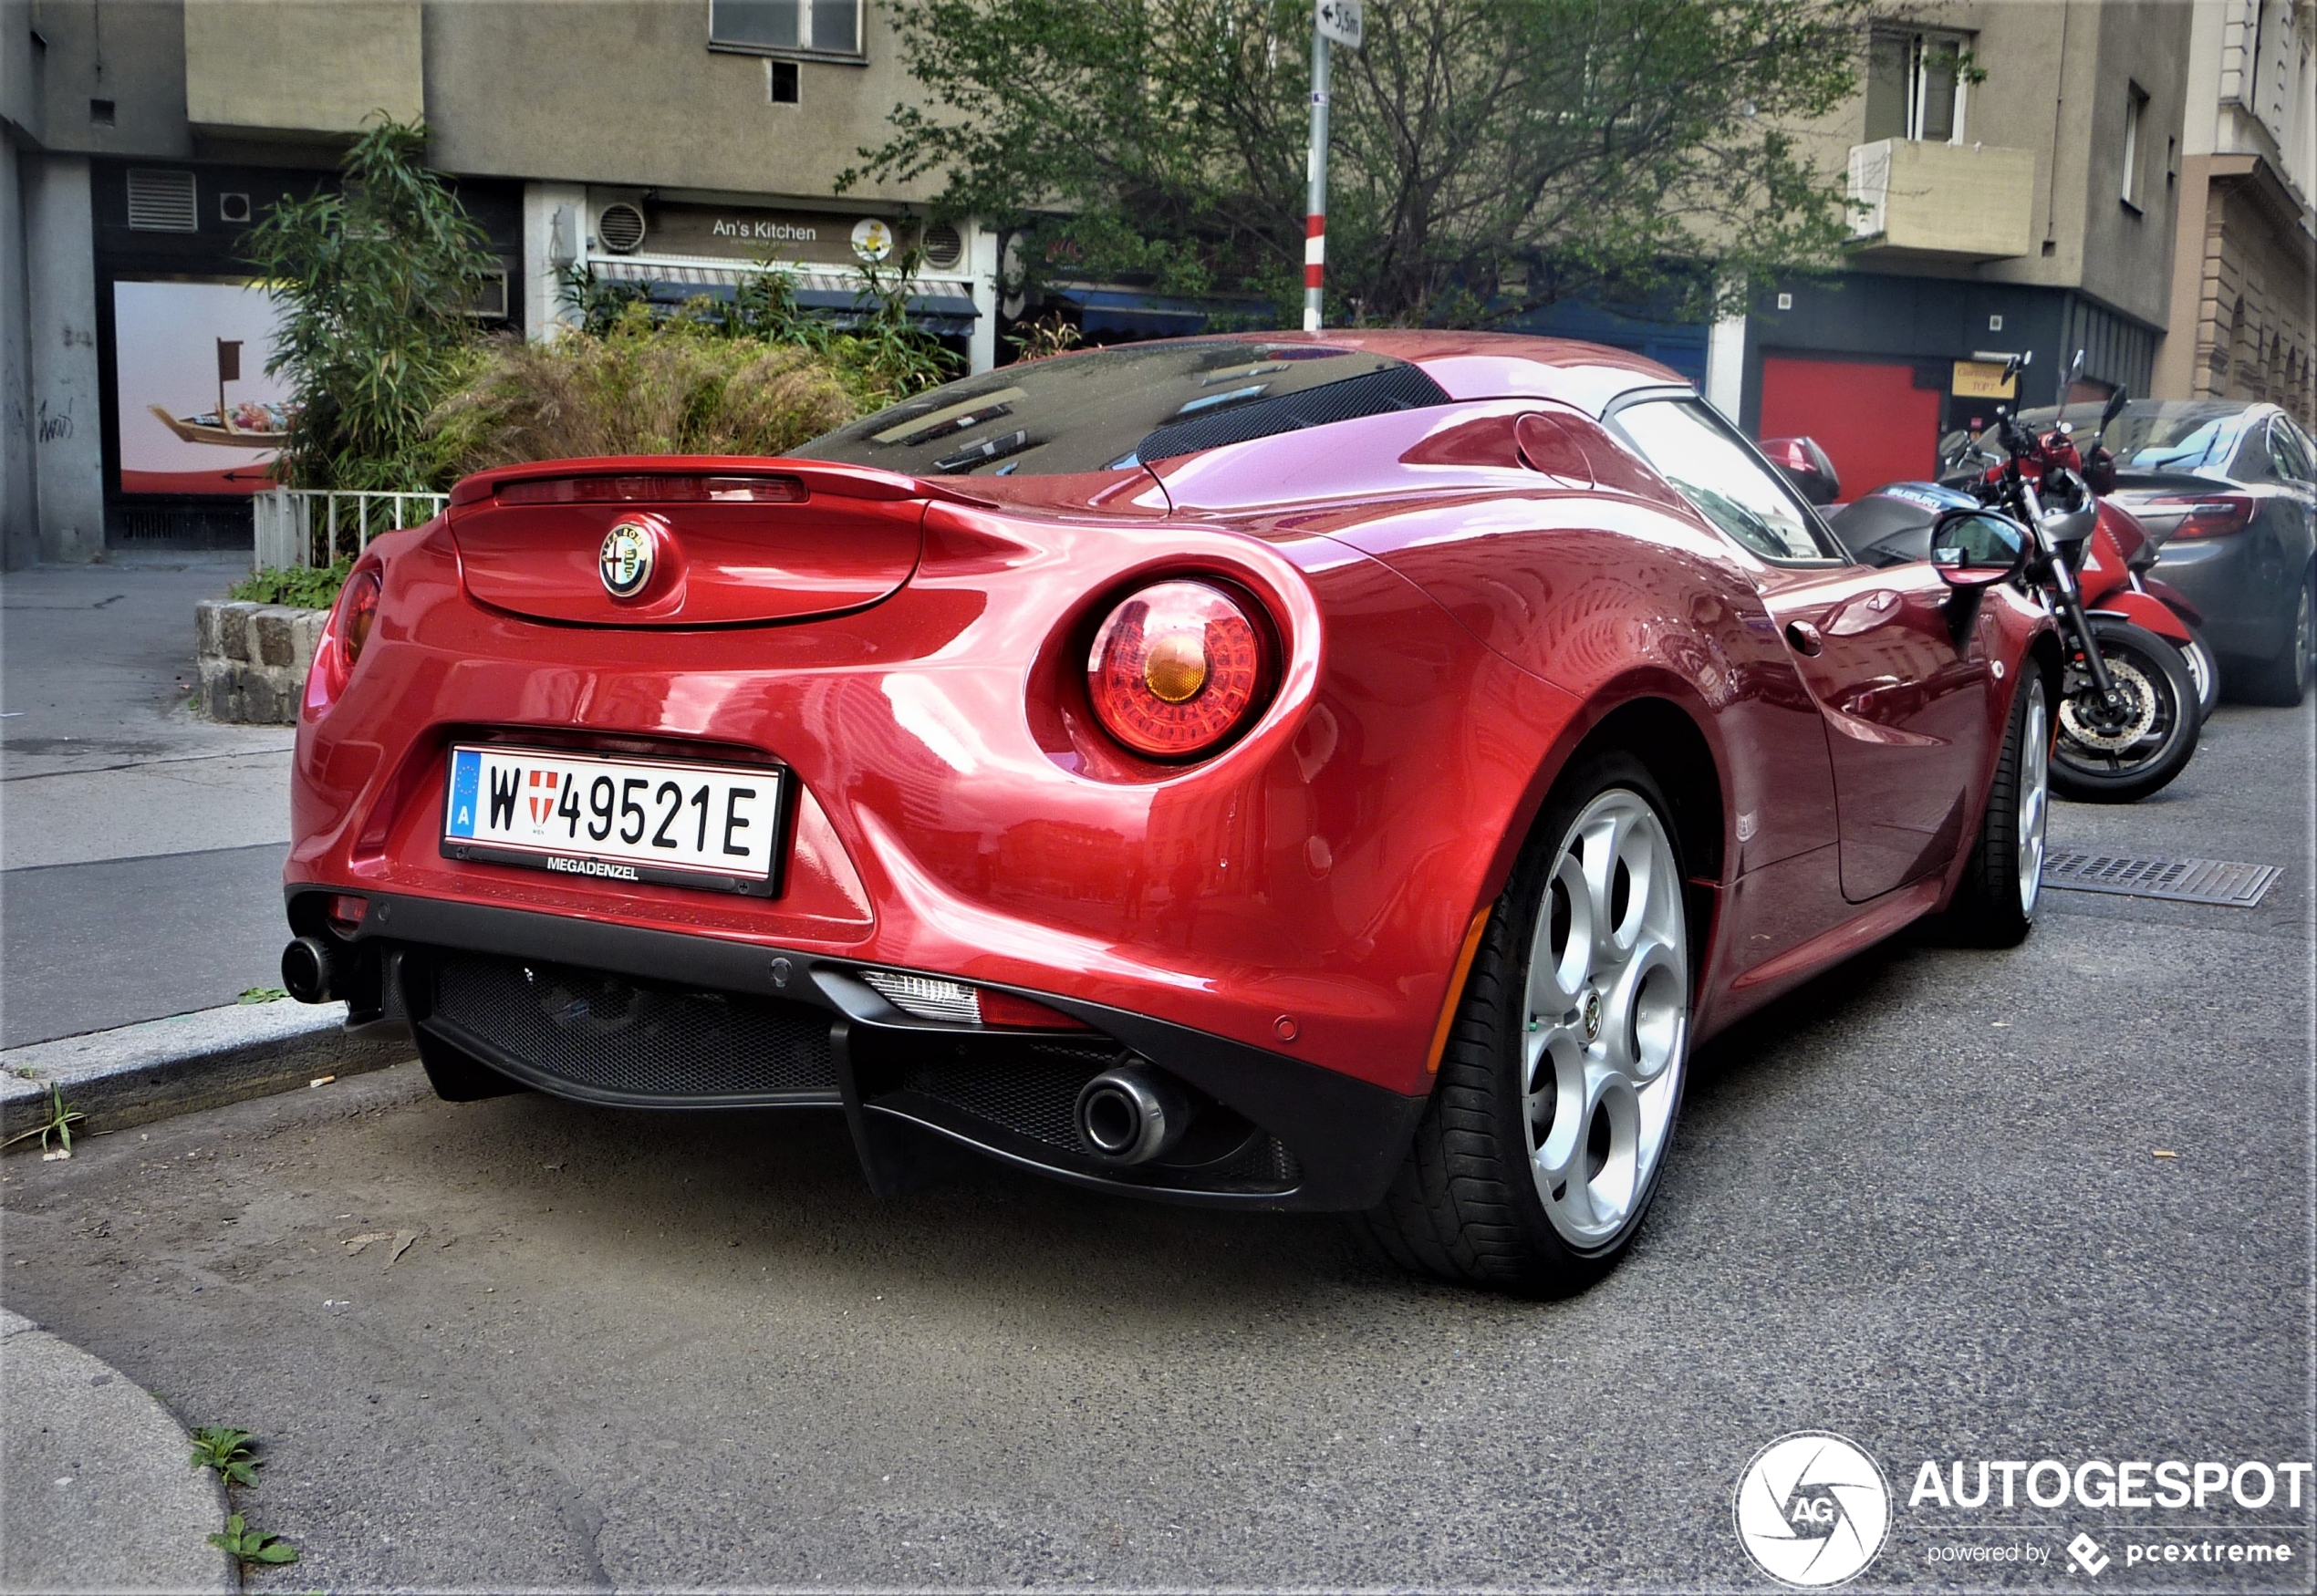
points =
(2114, 577)
(2129, 707)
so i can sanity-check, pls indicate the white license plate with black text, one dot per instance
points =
(612, 818)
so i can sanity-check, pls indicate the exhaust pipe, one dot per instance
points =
(1131, 1115)
(308, 968)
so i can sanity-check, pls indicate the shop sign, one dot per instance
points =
(747, 233)
(1984, 379)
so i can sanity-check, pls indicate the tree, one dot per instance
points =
(1602, 142)
(376, 283)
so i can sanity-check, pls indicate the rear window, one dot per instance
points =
(1111, 409)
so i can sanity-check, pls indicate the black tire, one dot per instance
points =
(2143, 664)
(458, 1077)
(2283, 679)
(1465, 1206)
(2204, 670)
(1995, 905)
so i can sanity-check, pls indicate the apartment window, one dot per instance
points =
(2136, 111)
(782, 84)
(1915, 86)
(801, 27)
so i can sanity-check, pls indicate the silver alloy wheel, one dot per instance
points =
(1606, 1019)
(2035, 793)
(2305, 635)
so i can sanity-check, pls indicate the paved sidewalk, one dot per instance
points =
(141, 848)
(95, 1489)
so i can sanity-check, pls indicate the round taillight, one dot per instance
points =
(1177, 669)
(358, 611)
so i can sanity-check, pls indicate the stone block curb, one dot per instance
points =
(252, 658)
(150, 1070)
(100, 1494)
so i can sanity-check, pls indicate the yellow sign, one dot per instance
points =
(1983, 379)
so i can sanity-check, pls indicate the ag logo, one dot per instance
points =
(1811, 1510)
(625, 561)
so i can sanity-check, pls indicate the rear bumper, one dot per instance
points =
(801, 1028)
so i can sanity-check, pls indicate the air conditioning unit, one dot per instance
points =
(490, 302)
(943, 248)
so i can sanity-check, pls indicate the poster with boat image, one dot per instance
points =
(195, 410)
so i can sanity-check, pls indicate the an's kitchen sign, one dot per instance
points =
(735, 232)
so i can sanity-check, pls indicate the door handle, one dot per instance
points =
(1804, 637)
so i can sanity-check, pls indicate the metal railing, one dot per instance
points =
(318, 526)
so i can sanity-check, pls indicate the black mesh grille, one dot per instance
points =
(636, 1038)
(1031, 1089)
(1396, 387)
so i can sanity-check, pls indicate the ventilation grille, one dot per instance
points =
(943, 247)
(635, 1040)
(1374, 393)
(1031, 1090)
(162, 201)
(621, 228)
(2214, 881)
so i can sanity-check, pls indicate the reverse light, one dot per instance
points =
(346, 912)
(654, 487)
(2207, 515)
(1177, 669)
(954, 1002)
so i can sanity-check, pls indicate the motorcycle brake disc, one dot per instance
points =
(2086, 730)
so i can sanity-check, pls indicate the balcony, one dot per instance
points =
(293, 67)
(1942, 202)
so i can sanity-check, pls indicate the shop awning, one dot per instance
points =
(943, 307)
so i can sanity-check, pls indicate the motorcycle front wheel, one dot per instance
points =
(2120, 756)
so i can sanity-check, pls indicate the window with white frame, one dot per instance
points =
(2135, 111)
(1916, 85)
(787, 28)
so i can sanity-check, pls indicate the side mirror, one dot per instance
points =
(1977, 548)
(2113, 408)
(1804, 463)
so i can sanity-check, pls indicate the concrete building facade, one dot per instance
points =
(2015, 173)
(678, 143)
(2243, 320)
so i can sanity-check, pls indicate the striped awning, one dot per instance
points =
(943, 306)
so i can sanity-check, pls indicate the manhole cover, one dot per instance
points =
(2219, 881)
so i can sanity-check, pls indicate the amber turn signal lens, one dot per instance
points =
(359, 610)
(1177, 669)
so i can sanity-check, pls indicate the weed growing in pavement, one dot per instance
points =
(227, 1451)
(60, 1121)
(253, 1546)
(262, 995)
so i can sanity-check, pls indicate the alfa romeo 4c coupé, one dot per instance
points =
(1346, 771)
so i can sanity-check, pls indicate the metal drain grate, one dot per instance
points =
(2220, 881)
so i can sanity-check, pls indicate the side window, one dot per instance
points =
(1712, 466)
(2253, 462)
(2290, 451)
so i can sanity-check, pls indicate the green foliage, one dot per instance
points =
(304, 587)
(1616, 142)
(253, 1546)
(226, 1451)
(375, 283)
(678, 386)
(264, 994)
(880, 351)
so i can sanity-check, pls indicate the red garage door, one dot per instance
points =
(1873, 421)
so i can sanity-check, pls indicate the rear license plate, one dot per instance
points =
(612, 818)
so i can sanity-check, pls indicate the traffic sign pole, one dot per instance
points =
(1316, 223)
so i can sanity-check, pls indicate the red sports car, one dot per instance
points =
(1346, 771)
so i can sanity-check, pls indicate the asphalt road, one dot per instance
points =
(1917, 1204)
(141, 848)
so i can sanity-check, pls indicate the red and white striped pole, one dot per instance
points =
(1315, 224)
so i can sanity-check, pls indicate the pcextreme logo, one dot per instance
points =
(1813, 1508)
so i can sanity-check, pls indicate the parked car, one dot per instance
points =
(1325, 771)
(2227, 491)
